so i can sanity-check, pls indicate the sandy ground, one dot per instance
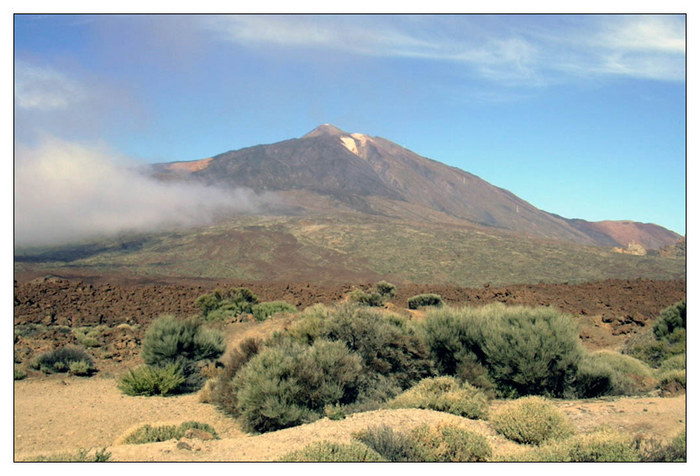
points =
(60, 415)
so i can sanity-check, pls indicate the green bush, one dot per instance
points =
(448, 443)
(81, 368)
(675, 362)
(445, 394)
(672, 382)
(230, 303)
(531, 420)
(81, 456)
(154, 434)
(392, 445)
(366, 299)
(169, 340)
(222, 393)
(670, 319)
(266, 309)
(60, 360)
(290, 384)
(526, 351)
(422, 300)
(623, 375)
(326, 451)
(385, 289)
(393, 356)
(600, 446)
(148, 380)
(89, 336)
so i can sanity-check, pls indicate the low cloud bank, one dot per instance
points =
(66, 192)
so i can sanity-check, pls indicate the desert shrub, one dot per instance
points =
(393, 356)
(531, 420)
(266, 309)
(169, 340)
(19, 374)
(81, 368)
(89, 336)
(60, 360)
(326, 451)
(290, 384)
(625, 375)
(602, 445)
(594, 378)
(230, 303)
(445, 394)
(448, 443)
(385, 289)
(526, 351)
(334, 412)
(222, 393)
(148, 380)
(670, 319)
(672, 382)
(154, 434)
(392, 445)
(366, 299)
(421, 300)
(675, 362)
(656, 451)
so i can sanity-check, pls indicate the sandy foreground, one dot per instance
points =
(63, 415)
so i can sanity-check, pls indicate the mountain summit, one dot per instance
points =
(329, 169)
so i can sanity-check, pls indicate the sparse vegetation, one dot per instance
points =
(395, 446)
(155, 434)
(366, 299)
(81, 456)
(666, 340)
(654, 450)
(60, 360)
(89, 336)
(423, 300)
(445, 394)
(326, 451)
(531, 420)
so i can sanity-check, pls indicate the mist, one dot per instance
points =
(67, 192)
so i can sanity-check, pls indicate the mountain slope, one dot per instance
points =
(378, 177)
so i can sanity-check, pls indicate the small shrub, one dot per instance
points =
(234, 301)
(266, 309)
(448, 443)
(89, 336)
(334, 412)
(81, 456)
(602, 445)
(675, 362)
(222, 393)
(386, 290)
(445, 394)
(672, 382)
(80, 368)
(147, 380)
(19, 374)
(60, 360)
(531, 420)
(422, 300)
(670, 319)
(154, 434)
(366, 299)
(656, 451)
(289, 384)
(627, 375)
(392, 445)
(326, 451)
(169, 340)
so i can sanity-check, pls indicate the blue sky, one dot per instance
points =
(583, 116)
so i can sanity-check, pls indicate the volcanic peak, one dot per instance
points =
(326, 130)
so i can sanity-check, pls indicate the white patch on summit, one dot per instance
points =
(350, 144)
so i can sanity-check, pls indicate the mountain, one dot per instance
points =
(330, 169)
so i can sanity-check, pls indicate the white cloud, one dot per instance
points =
(65, 192)
(44, 88)
(507, 49)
